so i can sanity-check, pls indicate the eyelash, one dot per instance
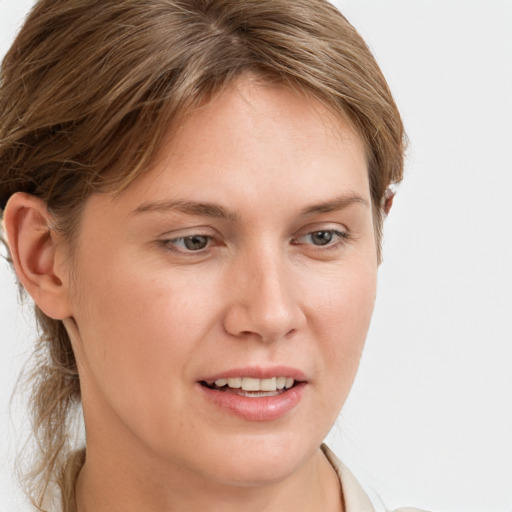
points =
(171, 244)
(343, 237)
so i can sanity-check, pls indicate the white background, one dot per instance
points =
(429, 421)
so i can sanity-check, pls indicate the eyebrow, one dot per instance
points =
(338, 203)
(216, 211)
(189, 208)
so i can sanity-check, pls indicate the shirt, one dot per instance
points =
(354, 497)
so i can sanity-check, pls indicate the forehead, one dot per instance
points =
(256, 148)
(253, 129)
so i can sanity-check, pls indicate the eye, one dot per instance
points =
(322, 237)
(193, 243)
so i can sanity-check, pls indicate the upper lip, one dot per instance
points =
(257, 372)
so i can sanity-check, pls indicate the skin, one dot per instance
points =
(148, 317)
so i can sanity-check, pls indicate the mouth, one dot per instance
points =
(251, 387)
(256, 394)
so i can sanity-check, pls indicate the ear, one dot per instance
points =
(388, 201)
(37, 256)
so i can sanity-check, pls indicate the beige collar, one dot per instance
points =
(354, 497)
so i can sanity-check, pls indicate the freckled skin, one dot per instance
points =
(153, 317)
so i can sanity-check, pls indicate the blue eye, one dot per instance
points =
(322, 237)
(193, 243)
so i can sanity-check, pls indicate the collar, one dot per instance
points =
(354, 497)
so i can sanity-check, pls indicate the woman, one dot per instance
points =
(193, 194)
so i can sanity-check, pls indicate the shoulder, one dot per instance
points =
(354, 496)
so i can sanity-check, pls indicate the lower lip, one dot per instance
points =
(264, 408)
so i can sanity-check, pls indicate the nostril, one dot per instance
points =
(271, 313)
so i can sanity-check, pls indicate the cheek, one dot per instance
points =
(139, 328)
(342, 303)
(340, 323)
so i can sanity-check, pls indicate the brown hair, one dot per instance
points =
(93, 85)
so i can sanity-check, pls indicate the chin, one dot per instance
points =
(260, 460)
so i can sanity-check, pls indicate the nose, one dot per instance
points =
(264, 301)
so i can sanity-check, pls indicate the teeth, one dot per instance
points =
(250, 384)
(235, 382)
(268, 384)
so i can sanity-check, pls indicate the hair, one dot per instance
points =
(91, 86)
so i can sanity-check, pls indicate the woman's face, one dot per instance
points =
(247, 256)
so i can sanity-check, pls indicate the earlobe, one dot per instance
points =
(34, 249)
